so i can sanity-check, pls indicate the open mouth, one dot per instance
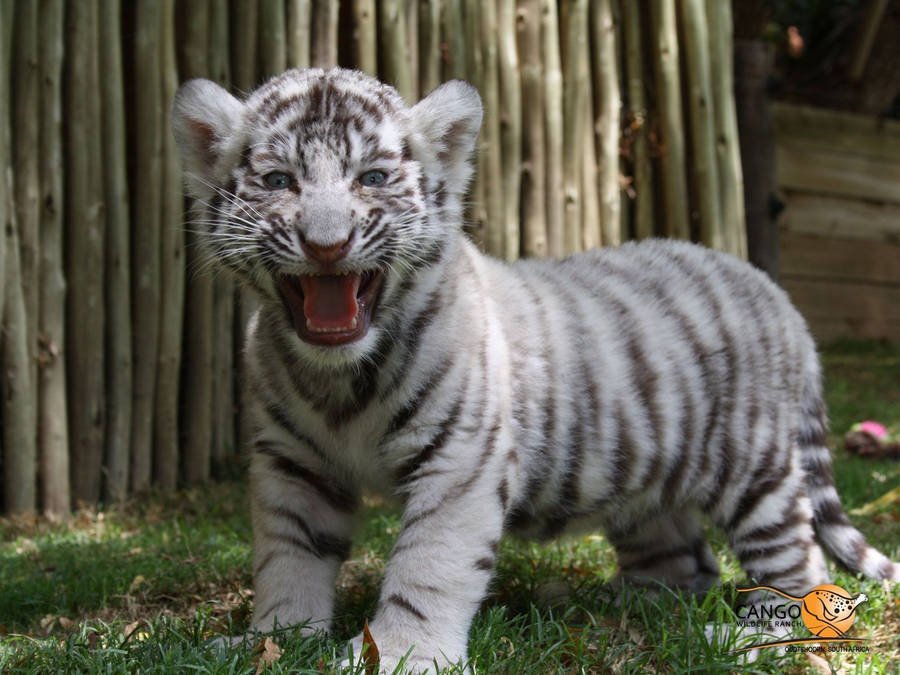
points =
(331, 309)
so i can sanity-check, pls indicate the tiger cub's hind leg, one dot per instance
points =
(671, 548)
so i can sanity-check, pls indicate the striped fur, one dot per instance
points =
(631, 389)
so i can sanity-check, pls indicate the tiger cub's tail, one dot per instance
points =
(835, 533)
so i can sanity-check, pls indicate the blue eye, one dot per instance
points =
(278, 180)
(373, 178)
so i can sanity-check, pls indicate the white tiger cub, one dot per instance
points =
(627, 389)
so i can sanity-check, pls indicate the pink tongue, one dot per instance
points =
(330, 300)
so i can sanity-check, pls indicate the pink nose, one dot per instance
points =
(326, 255)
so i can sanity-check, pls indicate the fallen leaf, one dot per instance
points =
(93, 639)
(3, 630)
(137, 581)
(130, 628)
(267, 653)
(47, 623)
(66, 623)
(370, 651)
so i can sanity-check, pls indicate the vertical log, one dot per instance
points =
(53, 433)
(395, 57)
(554, 127)
(459, 30)
(642, 168)
(219, 42)
(510, 126)
(117, 262)
(18, 412)
(672, 161)
(223, 427)
(590, 203)
(198, 342)
(27, 180)
(243, 55)
(754, 62)
(272, 37)
(699, 91)
(607, 124)
(85, 252)
(411, 11)
(574, 19)
(324, 48)
(145, 281)
(20, 460)
(429, 45)
(365, 36)
(463, 59)
(728, 152)
(534, 217)
(298, 18)
(490, 148)
(171, 275)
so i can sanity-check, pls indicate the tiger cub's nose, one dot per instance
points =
(326, 254)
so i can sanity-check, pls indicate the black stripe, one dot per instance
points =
(413, 335)
(323, 544)
(414, 404)
(403, 603)
(486, 564)
(337, 497)
(435, 444)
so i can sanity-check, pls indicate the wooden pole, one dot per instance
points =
(574, 20)
(642, 167)
(219, 43)
(85, 252)
(18, 413)
(365, 33)
(396, 57)
(223, 426)
(7, 206)
(117, 256)
(243, 55)
(607, 124)
(411, 10)
(20, 460)
(299, 14)
(53, 432)
(703, 130)
(510, 126)
(198, 339)
(728, 151)
(672, 160)
(429, 46)
(27, 180)
(459, 37)
(590, 203)
(145, 243)
(463, 58)
(490, 149)
(324, 48)
(534, 217)
(554, 128)
(166, 441)
(272, 37)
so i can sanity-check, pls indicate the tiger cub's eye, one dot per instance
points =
(373, 178)
(277, 180)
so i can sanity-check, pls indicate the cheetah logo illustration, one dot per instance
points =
(827, 611)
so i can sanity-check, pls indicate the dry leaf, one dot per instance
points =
(3, 630)
(130, 628)
(66, 623)
(93, 639)
(137, 581)
(47, 623)
(370, 651)
(819, 664)
(267, 652)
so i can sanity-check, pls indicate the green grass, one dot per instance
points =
(148, 585)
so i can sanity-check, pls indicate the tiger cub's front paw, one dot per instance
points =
(401, 656)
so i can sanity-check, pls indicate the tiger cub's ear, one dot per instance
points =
(206, 120)
(444, 126)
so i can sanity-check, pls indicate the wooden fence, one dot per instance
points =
(839, 174)
(604, 120)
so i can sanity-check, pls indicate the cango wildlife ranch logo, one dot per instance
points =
(827, 611)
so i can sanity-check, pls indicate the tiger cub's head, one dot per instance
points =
(325, 191)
